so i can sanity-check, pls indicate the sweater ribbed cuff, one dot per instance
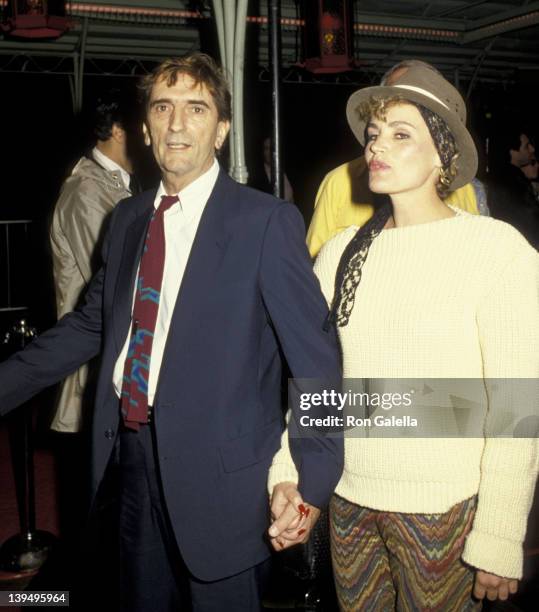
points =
(493, 554)
(281, 472)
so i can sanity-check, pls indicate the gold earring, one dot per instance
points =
(445, 177)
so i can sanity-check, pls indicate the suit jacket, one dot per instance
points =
(247, 294)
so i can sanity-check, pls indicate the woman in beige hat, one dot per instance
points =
(426, 291)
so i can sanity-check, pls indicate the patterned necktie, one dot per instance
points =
(134, 401)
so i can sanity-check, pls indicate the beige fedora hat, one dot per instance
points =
(423, 86)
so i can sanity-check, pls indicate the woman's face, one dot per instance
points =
(400, 152)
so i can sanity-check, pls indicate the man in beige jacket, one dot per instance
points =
(97, 183)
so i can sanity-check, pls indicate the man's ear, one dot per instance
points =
(118, 133)
(223, 127)
(145, 131)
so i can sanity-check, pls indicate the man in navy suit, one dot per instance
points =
(237, 290)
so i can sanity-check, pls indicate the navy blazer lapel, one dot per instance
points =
(208, 247)
(132, 250)
(204, 260)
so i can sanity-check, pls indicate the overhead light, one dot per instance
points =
(327, 36)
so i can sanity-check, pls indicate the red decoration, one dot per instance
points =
(328, 36)
(31, 19)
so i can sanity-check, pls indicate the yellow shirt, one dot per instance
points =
(344, 199)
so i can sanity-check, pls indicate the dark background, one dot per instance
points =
(41, 139)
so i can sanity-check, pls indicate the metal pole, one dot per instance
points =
(274, 20)
(28, 550)
(8, 268)
(30, 476)
(230, 34)
(220, 23)
(80, 83)
(74, 83)
(239, 171)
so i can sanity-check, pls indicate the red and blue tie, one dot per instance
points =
(134, 399)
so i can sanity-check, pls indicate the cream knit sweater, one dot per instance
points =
(454, 298)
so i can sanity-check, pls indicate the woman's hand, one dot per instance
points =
(292, 518)
(494, 587)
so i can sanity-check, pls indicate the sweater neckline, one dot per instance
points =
(459, 213)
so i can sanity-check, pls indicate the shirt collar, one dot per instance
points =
(193, 198)
(111, 165)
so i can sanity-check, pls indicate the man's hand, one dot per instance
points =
(293, 519)
(494, 587)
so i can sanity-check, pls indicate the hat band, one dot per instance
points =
(423, 92)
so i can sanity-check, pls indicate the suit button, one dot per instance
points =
(109, 434)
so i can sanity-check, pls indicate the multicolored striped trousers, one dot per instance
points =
(385, 561)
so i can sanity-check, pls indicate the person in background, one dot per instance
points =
(511, 165)
(425, 290)
(531, 172)
(99, 180)
(344, 197)
(288, 194)
(260, 173)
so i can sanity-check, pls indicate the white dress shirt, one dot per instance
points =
(111, 166)
(181, 223)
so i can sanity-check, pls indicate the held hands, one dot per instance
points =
(494, 587)
(293, 519)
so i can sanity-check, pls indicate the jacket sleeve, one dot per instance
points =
(298, 310)
(58, 352)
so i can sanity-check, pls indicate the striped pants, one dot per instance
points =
(385, 561)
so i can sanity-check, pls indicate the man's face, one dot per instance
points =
(183, 128)
(525, 153)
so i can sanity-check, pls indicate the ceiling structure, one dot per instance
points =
(476, 41)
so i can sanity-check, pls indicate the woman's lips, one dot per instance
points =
(377, 165)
